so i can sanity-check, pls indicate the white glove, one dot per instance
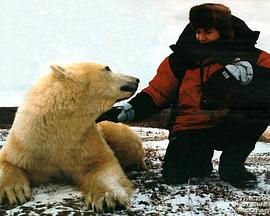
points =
(127, 113)
(242, 71)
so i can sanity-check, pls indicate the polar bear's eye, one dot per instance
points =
(107, 68)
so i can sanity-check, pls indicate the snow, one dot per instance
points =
(261, 147)
(209, 196)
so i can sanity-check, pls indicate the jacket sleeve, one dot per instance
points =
(158, 94)
(143, 106)
(163, 86)
(264, 60)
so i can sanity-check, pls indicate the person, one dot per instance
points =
(217, 81)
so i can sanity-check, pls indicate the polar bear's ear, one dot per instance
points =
(59, 71)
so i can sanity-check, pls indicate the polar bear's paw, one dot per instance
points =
(15, 194)
(14, 185)
(107, 201)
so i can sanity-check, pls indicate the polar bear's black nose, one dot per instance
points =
(134, 79)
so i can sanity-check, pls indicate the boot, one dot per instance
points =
(180, 175)
(174, 177)
(187, 156)
(232, 169)
(238, 177)
(201, 170)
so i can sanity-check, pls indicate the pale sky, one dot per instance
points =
(130, 36)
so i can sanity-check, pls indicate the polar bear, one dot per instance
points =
(54, 135)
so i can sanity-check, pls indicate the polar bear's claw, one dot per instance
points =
(106, 202)
(15, 195)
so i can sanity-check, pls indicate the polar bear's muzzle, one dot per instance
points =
(130, 86)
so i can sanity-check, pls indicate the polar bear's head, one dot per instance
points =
(95, 83)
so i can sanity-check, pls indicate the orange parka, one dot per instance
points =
(180, 79)
(190, 115)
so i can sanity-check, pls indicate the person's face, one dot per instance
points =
(205, 35)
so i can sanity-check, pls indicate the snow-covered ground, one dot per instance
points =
(132, 37)
(152, 197)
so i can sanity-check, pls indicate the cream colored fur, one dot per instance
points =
(54, 134)
(125, 143)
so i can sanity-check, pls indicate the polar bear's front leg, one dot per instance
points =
(105, 185)
(14, 185)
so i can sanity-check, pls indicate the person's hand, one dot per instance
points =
(241, 70)
(126, 114)
(121, 113)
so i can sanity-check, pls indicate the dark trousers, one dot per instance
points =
(189, 153)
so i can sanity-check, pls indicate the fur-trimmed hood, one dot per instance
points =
(243, 43)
